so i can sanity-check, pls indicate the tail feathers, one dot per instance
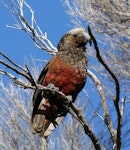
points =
(42, 125)
(37, 119)
(37, 123)
(51, 126)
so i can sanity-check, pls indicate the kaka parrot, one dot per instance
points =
(66, 71)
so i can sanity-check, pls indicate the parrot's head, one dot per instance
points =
(76, 37)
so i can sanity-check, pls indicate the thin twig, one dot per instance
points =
(31, 78)
(14, 69)
(32, 29)
(17, 81)
(95, 111)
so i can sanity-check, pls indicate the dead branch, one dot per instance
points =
(105, 107)
(32, 29)
(17, 81)
(116, 139)
(8, 59)
(25, 72)
(86, 127)
(117, 98)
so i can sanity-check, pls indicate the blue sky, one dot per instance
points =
(50, 16)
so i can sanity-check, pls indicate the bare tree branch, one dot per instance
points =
(105, 107)
(116, 137)
(117, 98)
(12, 61)
(86, 127)
(26, 73)
(16, 81)
(32, 29)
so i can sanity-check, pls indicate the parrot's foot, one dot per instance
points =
(52, 86)
(68, 101)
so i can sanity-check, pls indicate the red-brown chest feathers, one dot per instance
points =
(63, 75)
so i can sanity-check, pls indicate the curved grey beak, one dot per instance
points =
(87, 38)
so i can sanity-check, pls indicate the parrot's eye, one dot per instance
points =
(75, 35)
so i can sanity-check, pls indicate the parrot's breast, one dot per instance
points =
(65, 77)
